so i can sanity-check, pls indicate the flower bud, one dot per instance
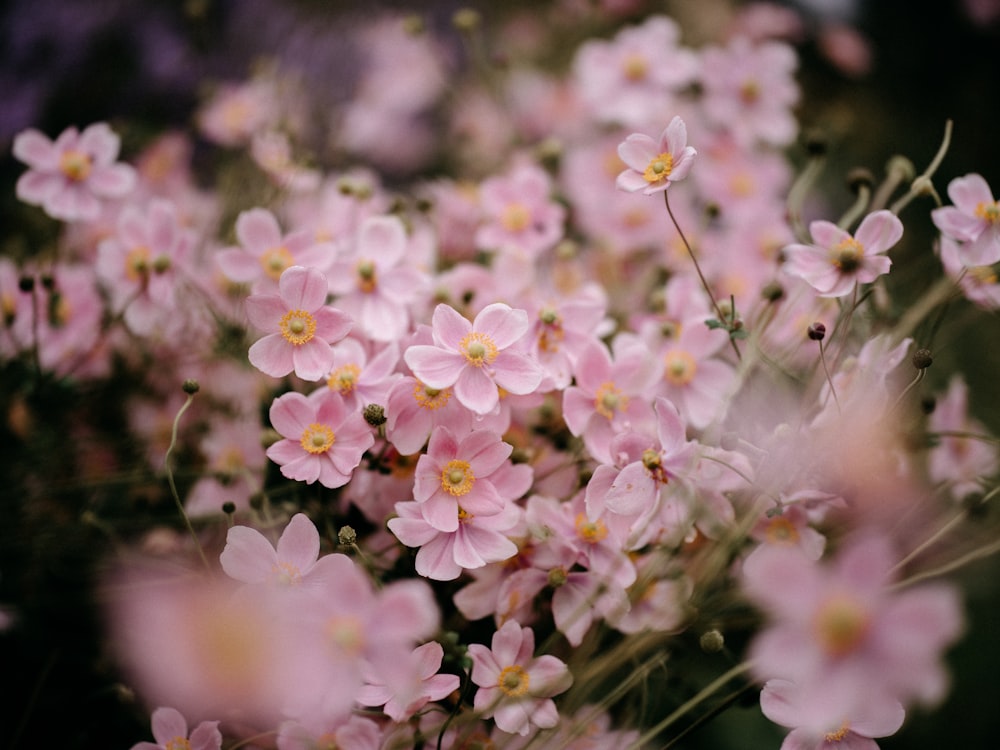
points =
(816, 331)
(858, 178)
(375, 415)
(712, 641)
(347, 536)
(922, 359)
(190, 386)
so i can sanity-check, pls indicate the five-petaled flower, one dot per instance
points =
(653, 165)
(837, 261)
(300, 326)
(170, 730)
(477, 358)
(68, 177)
(516, 688)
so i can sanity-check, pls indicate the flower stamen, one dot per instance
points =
(317, 438)
(659, 168)
(297, 327)
(457, 478)
(478, 349)
(513, 681)
(275, 260)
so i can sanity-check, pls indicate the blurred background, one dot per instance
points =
(879, 78)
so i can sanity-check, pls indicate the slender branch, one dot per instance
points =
(173, 485)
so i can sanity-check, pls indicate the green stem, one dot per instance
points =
(173, 486)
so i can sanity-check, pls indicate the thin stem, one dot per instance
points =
(977, 554)
(912, 384)
(173, 486)
(704, 693)
(826, 370)
(697, 267)
(797, 196)
(857, 210)
(922, 184)
(723, 705)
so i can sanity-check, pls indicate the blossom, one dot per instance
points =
(837, 261)
(963, 462)
(783, 704)
(300, 326)
(249, 557)
(516, 688)
(843, 636)
(407, 685)
(477, 358)
(654, 165)
(518, 212)
(170, 730)
(323, 439)
(69, 177)
(974, 220)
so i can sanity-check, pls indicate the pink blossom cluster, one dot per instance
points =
(463, 436)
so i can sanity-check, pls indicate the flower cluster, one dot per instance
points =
(469, 453)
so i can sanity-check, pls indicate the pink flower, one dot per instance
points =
(69, 177)
(414, 409)
(974, 220)
(784, 704)
(264, 252)
(354, 732)
(515, 688)
(376, 282)
(249, 557)
(300, 326)
(405, 686)
(443, 555)
(963, 462)
(838, 260)
(519, 212)
(845, 638)
(362, 379)
(170, 730)
(323, 439)
(477, 358)
(653, 166)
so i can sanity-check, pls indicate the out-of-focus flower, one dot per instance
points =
(654, 165)
(71, 176)
(963, 462)
(838, 260)
(170, 730)
(974, 220)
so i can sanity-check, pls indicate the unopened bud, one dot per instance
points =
(375, 415)
(901, 166)
(772, 292)
(816, 331)
(48, 283)
(712, 641)
(229, 507)
(922, 359)
(190, 386)
(347, 536)
(815, 142)
(26, 283)
(922, 185)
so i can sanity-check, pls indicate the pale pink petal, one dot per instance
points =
(285, 451)
(637, 151)
(435, 367)
(682, 164)
(517, 373)
(674, 138)
(303, 288)
(265, 311)
(299, 543)
(440, 510)
(113, 181)
(549, 676)
(237, 265)
(826, 234)
(501, 323)
(312, 360)
(434, 560)
(306, 468)
(449, 327)
(247, 556)
(168, 723)
(332, 324)
(475, 390)
(291, 414)
(36, 188)
(206, 736)
(879, 231)
(36, 150)
(631, 181)
(956, 224)
(485, 452)
(969, 191)
(779, 703)
(272, 355)
(101, 142)
(382, 238)
(258, 230)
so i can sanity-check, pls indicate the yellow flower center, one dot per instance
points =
(463, 515)
(137, 263)
(839, 734)
(76, 165)
(367, 278)
(982, 275)
(317, 438)
(635, 67)
(750, 91)
(346, 634)
(513, 681)
(652, 461)
(286, 574)
(846, 255)
(297, 327)
(457, 478)
(327, 741)
(780, 530)
(344, 378)
(609, 399)
(841, 624)
(178, 743)
(430, 398)
(515, 217)
(659, 168)
(591, 532)
(478, 349)
(275, 260)
(551, 332)
(680, 367)
(989, 212)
